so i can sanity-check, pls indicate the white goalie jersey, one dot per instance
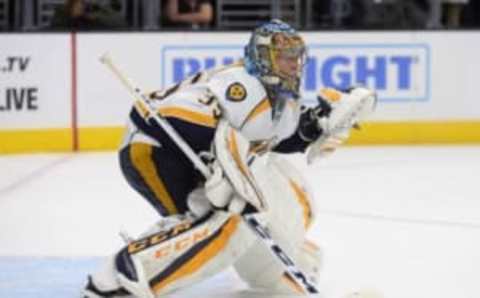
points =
(232, 94)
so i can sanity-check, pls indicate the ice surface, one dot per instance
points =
(402, 220)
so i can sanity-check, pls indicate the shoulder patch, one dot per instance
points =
(236, 92)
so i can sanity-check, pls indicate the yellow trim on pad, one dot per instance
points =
(302, 198)
(209, 252)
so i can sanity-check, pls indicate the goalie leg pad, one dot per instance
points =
(288, 196)
(189, 252)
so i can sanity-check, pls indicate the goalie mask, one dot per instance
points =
(276, 55)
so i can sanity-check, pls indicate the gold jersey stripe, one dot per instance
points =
(189, 116)
(303, 201)
(216, 245)
(140, 154)
(261, 107)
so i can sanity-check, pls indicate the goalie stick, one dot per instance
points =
(291, 269)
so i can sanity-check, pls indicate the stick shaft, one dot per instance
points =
(137, 93)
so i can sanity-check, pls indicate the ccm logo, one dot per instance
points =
(157, 238)
(182, 243)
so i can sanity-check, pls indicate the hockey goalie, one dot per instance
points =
(241, 120)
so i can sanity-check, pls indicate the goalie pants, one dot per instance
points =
(156, 167)
(157, 173)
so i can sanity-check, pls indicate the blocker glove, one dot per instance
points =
(310, 127)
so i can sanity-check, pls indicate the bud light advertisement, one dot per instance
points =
(398, 72)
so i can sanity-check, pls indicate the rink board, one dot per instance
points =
(56, 96)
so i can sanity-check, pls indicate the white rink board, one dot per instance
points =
(35, 79)
(421, 76)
